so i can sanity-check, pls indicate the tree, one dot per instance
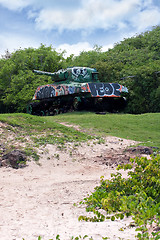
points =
(18, 83)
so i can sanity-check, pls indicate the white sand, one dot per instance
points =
(38, 200)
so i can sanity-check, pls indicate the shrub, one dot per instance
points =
(138, 196)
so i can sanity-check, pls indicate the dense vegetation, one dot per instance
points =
(133, 62)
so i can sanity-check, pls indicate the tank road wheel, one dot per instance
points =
(56, 111)
(99, 107)
(42, 113)
(76, 103)
(47, 113)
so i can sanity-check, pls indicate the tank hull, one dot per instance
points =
(52, 99)
(94, 89)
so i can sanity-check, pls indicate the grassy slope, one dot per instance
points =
(145, 127)
(41, 128)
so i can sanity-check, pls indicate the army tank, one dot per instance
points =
(76, 88)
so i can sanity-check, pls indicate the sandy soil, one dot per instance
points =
(38, 199)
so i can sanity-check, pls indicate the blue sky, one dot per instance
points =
(73, 25)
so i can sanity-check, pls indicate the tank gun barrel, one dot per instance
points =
(61, 75)
(44, 73)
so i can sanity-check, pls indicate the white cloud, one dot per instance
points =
(146, 18)
(22, 42)
(74, 48)
(92, 14)
(15, 4)
(79, 47)
(38, 4)
(106, 47)
(122, 18)
(14, 42)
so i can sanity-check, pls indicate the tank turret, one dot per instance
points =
(76, 74)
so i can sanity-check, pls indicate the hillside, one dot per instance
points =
(65, 157)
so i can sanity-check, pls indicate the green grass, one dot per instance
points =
(143, 127)
(28, 133)
(42, 129)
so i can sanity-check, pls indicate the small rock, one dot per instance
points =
(14, 159)
(141, 150)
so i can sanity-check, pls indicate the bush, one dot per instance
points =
(137, 196)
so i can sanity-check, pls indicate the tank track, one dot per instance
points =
(50, 107)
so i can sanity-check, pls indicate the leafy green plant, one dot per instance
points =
(31, 152)
(138, 196)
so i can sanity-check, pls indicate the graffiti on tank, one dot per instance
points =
(96, 90)
(71, 89)
(105, 89)
(79, 72)
(50, 91)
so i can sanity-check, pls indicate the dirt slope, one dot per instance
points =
(38, 199)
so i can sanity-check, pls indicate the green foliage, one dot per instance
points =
(138, 196)
(29, 151)
(17, 81)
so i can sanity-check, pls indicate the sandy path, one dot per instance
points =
(38, 200)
